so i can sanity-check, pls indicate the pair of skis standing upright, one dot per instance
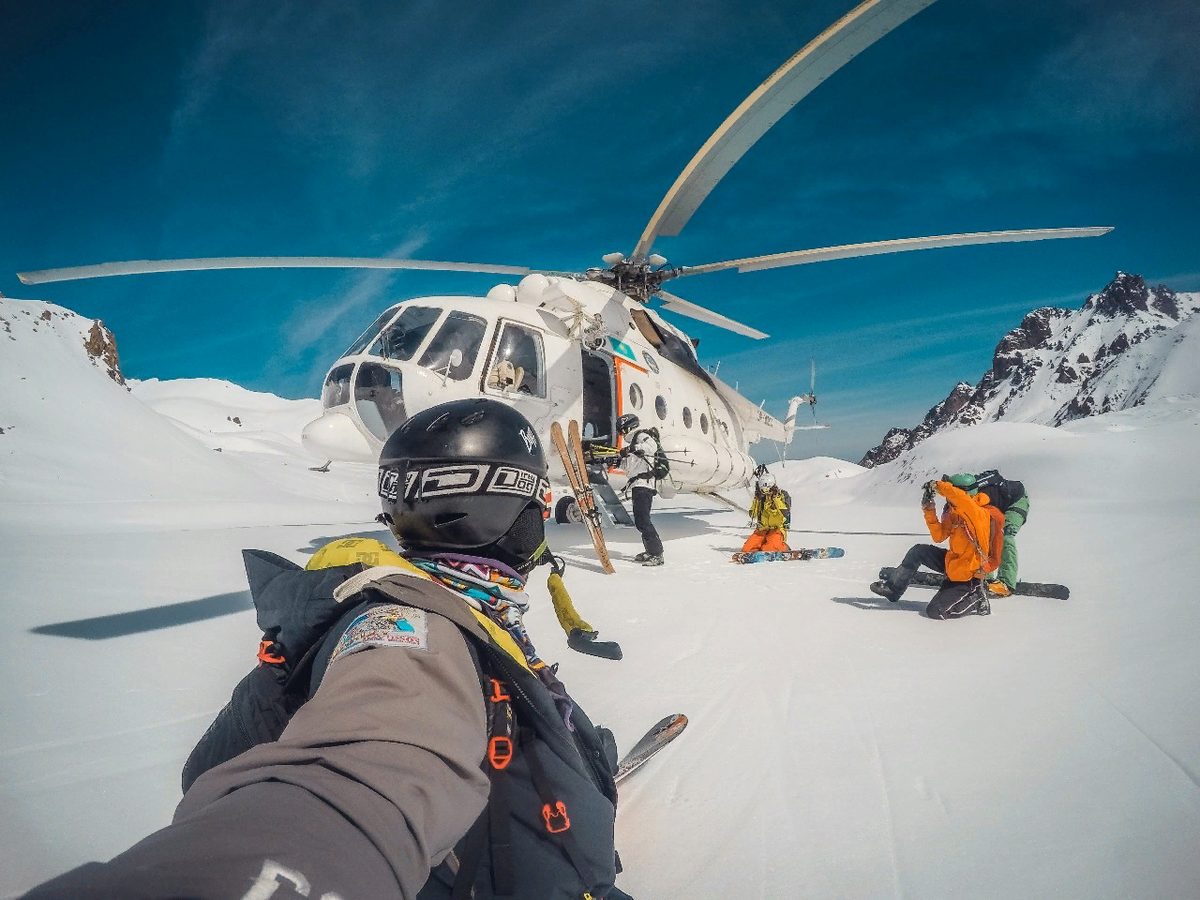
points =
(571, 452)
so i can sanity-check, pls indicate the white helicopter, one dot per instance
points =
(588, 346)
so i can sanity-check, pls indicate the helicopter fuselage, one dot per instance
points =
(556, 349)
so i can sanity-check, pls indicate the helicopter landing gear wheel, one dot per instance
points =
(567, 510)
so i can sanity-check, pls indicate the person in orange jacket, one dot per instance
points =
(975, 529)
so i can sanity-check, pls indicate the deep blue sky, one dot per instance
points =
(545, 135)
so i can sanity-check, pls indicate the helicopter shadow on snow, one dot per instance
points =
(153, 618)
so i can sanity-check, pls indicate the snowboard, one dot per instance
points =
(572, 460)
(756, 556)
(665, 731)
(1024, 588)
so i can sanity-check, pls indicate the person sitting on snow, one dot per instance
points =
(975, 529)
(771, 510)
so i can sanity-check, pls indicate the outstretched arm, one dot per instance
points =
(371, 784)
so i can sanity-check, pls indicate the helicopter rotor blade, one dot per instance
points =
(770, 102)
(873, 248)
(694, 311)
(148, 266)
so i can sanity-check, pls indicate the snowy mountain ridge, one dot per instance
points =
(1127, 345)
(73, 433)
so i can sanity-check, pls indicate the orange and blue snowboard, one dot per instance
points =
(756, 556)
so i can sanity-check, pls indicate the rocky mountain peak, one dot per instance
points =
(1128, 294)
(1063, 364)
(101, 346)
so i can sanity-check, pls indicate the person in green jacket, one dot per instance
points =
(1012, 499)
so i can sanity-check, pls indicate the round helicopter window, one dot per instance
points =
(704, 423)
(687, 418)
(635, 396)
(650, 361)
(660, 406)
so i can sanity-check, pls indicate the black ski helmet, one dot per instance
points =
(467, 476)
(627, 423)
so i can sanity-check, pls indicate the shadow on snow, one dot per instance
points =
(102, 628)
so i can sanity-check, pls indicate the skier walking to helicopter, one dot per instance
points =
(642, 457)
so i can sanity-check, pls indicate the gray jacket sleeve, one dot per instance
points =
(372, 783)
(393, 740)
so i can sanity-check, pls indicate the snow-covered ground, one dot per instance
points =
(1051, 749)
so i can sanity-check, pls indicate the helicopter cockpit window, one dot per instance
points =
(403, 337)
(516, 364)
(378, 399)
(336, 391)
(371, 333)
(455, 346)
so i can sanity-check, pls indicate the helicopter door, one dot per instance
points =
(378, 399)
(599, 407)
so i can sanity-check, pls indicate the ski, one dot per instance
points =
(581, 489)
(665, 731)
(1024, 588)
(757, 556)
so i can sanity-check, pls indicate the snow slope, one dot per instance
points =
(839, 745)
(75, 438)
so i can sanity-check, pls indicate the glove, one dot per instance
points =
(927, 494)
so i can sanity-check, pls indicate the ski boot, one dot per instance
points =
(652, 560)
(881, 588)
(642, 557)
(999, 588)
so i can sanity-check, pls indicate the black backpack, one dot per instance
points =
(1003, 492)
(549, 819)
(660, 466)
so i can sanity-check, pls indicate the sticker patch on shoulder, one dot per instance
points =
(391, 625)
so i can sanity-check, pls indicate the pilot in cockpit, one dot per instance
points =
(517, 361)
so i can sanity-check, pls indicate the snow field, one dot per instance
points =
(838, 746)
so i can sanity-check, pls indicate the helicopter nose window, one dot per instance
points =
(337, 387)
(455, 346)
(371, 333)
(378, 399)
(660, 407)
(403, 337)
(704, 423)
(687, 418)
(516, 365)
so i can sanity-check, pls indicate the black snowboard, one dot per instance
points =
(1024, 588)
